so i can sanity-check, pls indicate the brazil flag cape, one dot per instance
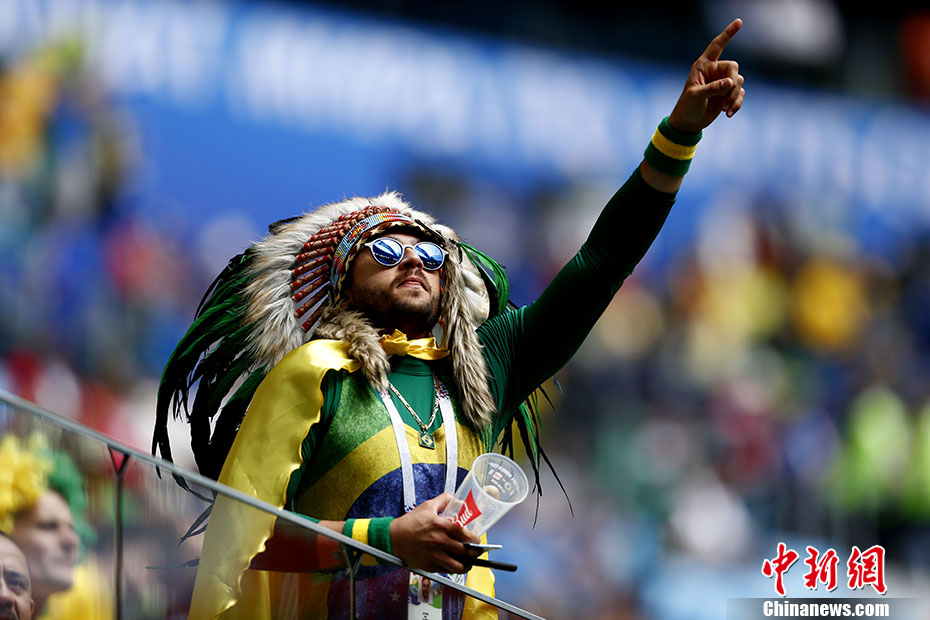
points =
(265, 454)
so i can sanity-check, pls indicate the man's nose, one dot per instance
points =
(411, 259)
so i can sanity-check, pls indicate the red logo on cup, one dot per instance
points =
(469, 511)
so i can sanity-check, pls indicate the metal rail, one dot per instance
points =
(25, 406)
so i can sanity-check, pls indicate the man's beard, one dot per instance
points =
(386, 311)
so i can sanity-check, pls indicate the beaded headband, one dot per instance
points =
(341, 254)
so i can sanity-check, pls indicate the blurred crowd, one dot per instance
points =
(762, 381)
(93, 294)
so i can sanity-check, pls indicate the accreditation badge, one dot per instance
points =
(424, 597)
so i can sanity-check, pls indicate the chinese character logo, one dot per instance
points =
(867, 568)
(863, 568)
(779, 565)
(822, 570)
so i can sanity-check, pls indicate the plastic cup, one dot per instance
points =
(494, 485)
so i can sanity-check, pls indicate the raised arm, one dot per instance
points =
(534, 343)
(713, 86)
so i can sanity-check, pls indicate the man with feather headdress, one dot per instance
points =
(317, 366)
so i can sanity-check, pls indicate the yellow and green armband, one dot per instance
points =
(670, 150)
(375, 532)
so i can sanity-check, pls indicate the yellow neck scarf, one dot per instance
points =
(421, 348)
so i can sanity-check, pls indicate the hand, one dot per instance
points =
(424, 540)
(712, 87)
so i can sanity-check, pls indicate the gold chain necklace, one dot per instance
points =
(426, 438)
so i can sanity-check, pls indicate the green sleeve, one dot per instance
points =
(525, 347)
(332, 389)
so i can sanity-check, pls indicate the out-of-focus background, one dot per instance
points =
(761, 378)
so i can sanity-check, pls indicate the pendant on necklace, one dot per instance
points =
(426, 441)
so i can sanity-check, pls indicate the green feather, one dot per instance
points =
(211, 356)
(498, 284)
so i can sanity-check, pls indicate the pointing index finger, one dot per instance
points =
(715, 49)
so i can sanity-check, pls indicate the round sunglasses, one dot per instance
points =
(390, 252)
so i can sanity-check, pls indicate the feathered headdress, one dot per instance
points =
(284, 290)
